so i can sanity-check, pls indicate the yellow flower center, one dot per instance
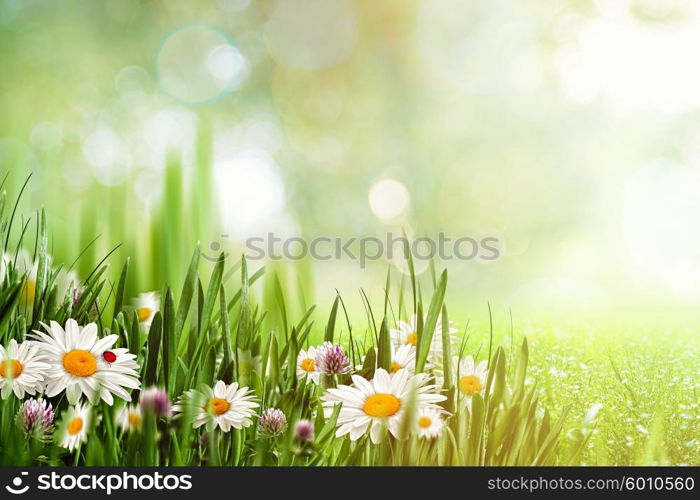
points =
(134, 419)
(308, 365)
(80, 363)
(395, 367)
(11, 368)
(143, 313)
(218, 406)
(470, 385)
(28, 292)
(381, 405)
(424, 422)
(412, 339)
(75, 426)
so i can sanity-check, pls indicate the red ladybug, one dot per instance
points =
(109, 356)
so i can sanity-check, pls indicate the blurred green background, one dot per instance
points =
(568, 129)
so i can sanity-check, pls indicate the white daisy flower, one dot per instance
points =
(21, 369)
(129, 418)
(81, 363)
(407, 333)
(75, 426)
(381, 402)
(147, 305)
(429, 423)
(223, 406)
(403, 357)
(306, 365)
(470, 377)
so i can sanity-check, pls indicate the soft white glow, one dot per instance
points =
(170, 129)
(389, 199)
(250, 192)
(559, 295)
(633, 63)
(226, 63)
(102, 149)
(260, 131)
(662, 228)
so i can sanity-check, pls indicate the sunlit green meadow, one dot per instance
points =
(551, 395)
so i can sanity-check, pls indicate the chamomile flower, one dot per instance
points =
(21, 369)
(306, 365)
(379, 403)
(471, 378)
(147, 305)
(429, 423)
(407, 333)
(81, 363)
(223, 406)
(403, 357)
(130, 418)
(74, 427)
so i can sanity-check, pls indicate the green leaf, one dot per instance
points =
(226, 335)
(425, 336)
(169, 343)
(187, 292)
(212, 294)
(154, 336)
(521, 367)
(121, 290)
(330, 326)
(244, 335)
(384, 347)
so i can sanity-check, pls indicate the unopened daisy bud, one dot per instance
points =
(304, 430)
(155, 400)
(331, 359)
(35, 417)
(272, 422)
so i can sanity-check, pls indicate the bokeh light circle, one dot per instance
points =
(389, 199)
(198, 64)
